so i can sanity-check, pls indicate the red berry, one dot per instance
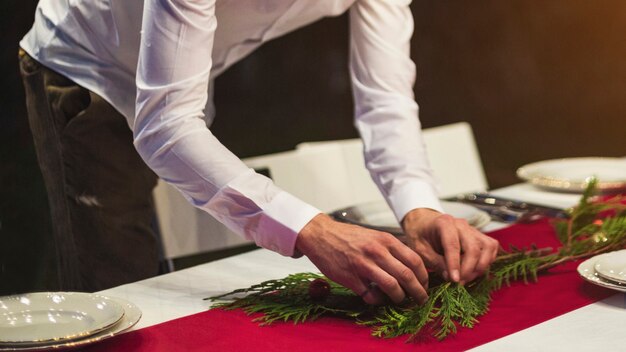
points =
(319, 289)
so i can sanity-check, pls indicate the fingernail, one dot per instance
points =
(445, 275)
(455, 275)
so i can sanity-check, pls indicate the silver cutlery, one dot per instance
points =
(509, 210)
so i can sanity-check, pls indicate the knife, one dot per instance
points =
(509, 210)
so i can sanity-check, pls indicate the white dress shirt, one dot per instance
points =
(153, 60)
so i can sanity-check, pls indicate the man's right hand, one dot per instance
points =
(364, 260)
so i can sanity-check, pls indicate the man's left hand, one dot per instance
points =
(448, 245)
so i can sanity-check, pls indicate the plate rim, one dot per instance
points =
(559, 183)
(608, 276)
(132, 315)
(118, 314)
(587, 271)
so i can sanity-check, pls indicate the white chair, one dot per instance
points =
(451, 150)
(186, 230)
(455, 159)
(323, 176)
(328, 175)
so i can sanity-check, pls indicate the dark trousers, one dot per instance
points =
(99, 189)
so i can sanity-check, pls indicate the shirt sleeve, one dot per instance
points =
(386, 113)
(171, 136)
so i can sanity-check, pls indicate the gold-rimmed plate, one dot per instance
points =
(46, 317)
(131, 316)
(573, 174)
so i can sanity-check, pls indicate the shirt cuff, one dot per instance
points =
(253, 206)
(285, 217)
(413, 195)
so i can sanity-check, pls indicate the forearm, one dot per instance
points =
(173, 139)
(386, 113)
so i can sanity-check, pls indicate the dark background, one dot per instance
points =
(535, 79)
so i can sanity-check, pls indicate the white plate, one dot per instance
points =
(44, 317)
(572, 174)
(612, 266)
(132, 314)
(587, 271)
(475, 217)
(378, 214)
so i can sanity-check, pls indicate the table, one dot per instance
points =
(598, 326)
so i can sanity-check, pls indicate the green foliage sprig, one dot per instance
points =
(591, 228)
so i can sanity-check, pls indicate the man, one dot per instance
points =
(88, 65)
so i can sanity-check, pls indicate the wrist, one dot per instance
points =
(312, 230)
(414, 218)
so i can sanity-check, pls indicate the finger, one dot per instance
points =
(407, 278)
(387, 283)
(432, 259)
(437, 263)
(496, 249)
(370, 293)
(413, 261)
(492, 246)
(362, 287)
(486, 256)
(451, 247)
(471, 254)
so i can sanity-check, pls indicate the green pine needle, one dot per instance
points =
(450, 306)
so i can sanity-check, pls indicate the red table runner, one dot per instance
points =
(513, 309)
